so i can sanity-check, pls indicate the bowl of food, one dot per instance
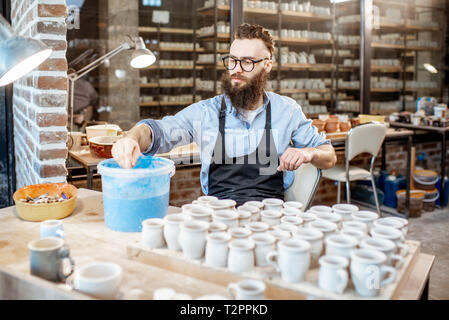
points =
(101, 147)
(39, 202)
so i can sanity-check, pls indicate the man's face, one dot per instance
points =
(253, 49)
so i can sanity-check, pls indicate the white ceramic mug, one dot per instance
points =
(172, 224)
(358, 234)
(340, 245)
(240, 233)
(217, 227)
(320, 208)
(258, 226)
(241, 255)
(404, 222)
(290, 212)
(292, 260)
(316, 239)
(368, 271)
(293, 204)
(51, 228)
(228, 217)
(280, 235)
(192, 238)
(206, 199)
(367, 217)
(244, 216)
(255, 211)
(385, 222)
(391, 234)
(325, 227)
(247, 289)
(273, 204)
(345, 210)
(331, 217)
(307, 217)
(272, 217)
(217, 249)
(99, 279)
(355, 225)
(153, 233)
(217, 205)
(264, 243)
(333, 276)
(201, 213)
(292, 220)
(387, 247)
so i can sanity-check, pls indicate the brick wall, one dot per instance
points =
(40, 98)
(185, 185)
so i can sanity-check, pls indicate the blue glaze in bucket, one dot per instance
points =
(133, 195)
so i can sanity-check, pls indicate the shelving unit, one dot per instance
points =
(406, 53)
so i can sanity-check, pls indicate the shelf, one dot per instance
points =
(303, 41)
(288, 91)
(374, 68)
(201, 50)
(294, 16)
(220, 37)
(156, 85)
(392, 27)
(386, 90)
(222, 10)
(153, 67)
(211, 65)
(307, 66)
(378, 45)
(165, 30)
(164, 103)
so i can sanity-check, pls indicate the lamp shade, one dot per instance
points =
(18, 55)
(141, 56)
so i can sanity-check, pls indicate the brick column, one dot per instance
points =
(40, 98)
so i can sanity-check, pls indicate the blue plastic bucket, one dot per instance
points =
(133, 195)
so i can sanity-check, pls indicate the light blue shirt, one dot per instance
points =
(199, 123)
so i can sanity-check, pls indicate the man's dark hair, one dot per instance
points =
(255, 31)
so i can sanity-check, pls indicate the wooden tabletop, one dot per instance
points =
(420, 127)
(90, 240)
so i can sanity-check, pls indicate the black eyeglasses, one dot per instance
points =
(246, 64)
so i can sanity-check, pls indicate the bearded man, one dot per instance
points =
(250, 140)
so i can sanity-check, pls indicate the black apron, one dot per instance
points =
(250, 177)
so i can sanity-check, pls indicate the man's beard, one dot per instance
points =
(244, 96)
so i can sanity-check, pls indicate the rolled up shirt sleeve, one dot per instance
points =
(306, 135)
(173, 131)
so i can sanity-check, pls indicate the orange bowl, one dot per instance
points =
(101, 147)
(45, 211)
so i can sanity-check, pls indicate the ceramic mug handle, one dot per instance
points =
(342, 284)
(64, 254)
(232, 287)
(398, 258)
(404, 247)
(391, 278)
(271, 259)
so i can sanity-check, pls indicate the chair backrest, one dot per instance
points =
(305, 183)
(367, 137)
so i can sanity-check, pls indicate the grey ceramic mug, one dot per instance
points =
(46, 258)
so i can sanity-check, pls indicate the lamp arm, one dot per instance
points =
(78, 74)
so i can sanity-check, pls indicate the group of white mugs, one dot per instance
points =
(279, 234)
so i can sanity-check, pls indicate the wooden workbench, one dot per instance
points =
(89, 240)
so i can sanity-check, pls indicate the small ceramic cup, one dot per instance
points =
(52, 228)
(272, 217)
(153, 233)
(273, 204)
(333, 275)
